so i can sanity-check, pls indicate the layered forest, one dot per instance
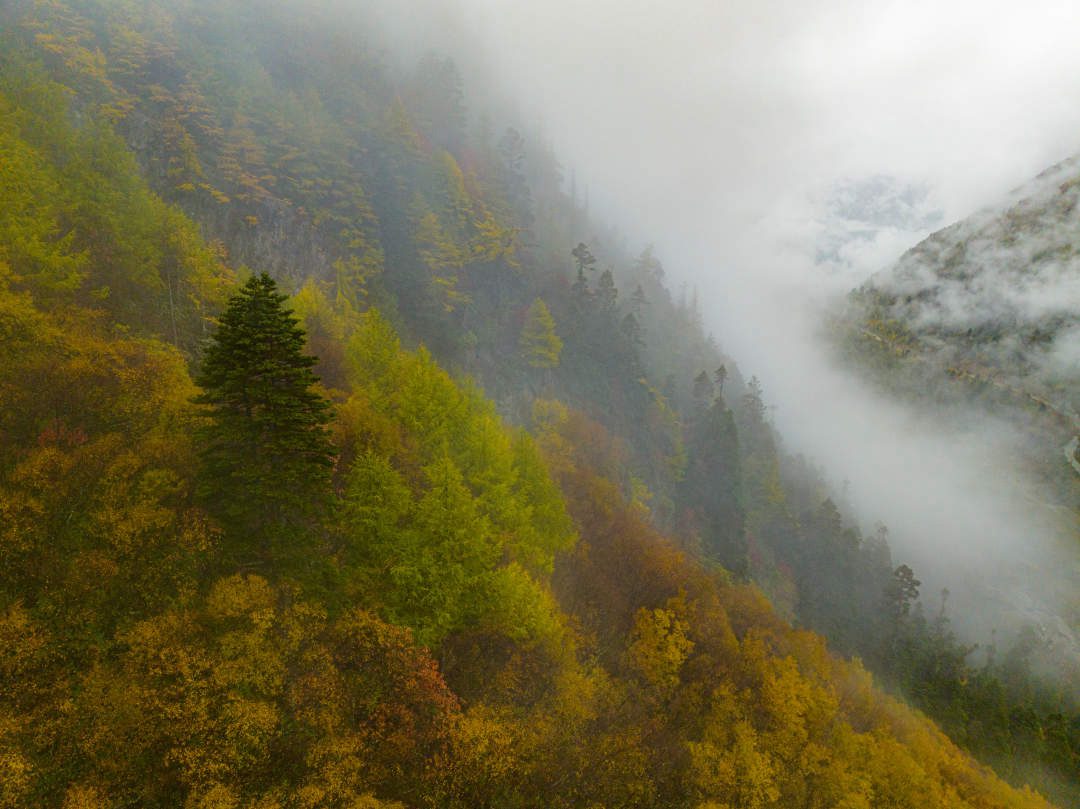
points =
(346, 460)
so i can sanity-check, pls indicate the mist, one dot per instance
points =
(780, 154)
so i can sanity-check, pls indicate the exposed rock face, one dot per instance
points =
(275, 238)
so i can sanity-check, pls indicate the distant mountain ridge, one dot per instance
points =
(994, 300)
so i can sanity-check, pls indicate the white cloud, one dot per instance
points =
(715, 129)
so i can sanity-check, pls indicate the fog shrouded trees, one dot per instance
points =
(540, 345)
(265, 450)
(710, 489)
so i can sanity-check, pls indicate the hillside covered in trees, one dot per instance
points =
(345, 461)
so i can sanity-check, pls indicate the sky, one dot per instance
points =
(724, 132)
(762, 96)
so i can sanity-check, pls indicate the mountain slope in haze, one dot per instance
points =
(441, 634)
(979, 324)
(994, 302)
(983, 318)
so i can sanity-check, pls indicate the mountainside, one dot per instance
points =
(345, 461)
(994, 302)
(981, 320)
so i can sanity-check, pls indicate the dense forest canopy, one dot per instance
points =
(346, 461)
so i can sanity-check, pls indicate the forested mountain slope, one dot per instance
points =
(980, 321)
(390, 595)
(993, 302)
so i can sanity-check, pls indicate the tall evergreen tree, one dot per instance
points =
(711, 489)
(703, 392)
(540, 345)
(606, 292)
(584, 260)
(265, 450)
(720, 375)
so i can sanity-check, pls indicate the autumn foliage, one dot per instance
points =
(477, 614)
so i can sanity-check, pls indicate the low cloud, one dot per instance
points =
(1009, 278)
(726, 133)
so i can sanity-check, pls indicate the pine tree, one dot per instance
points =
(265, 450)
(720, 375)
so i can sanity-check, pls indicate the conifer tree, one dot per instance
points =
(265, 450)
(703, 391)
(606, 292)
(540, 344)
(711, 488)
(720, 375)
(584, 260)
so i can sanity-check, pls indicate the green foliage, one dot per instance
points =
(480, 498)
(326, 325)
(265, 451)
(33, 248)
(79, 223)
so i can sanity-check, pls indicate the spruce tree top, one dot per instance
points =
(256, 359)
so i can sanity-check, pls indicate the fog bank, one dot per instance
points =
(778, 154)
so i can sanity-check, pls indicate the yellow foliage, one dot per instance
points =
(16, 773)
(738, 773)
(241, 596)
(248, 728)
(214, 796)
(539, 343)
(659, 645)
(336, 773)
(22, 645)
(85, 797)
(241, 692)
(494, 241)
(482, 755)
